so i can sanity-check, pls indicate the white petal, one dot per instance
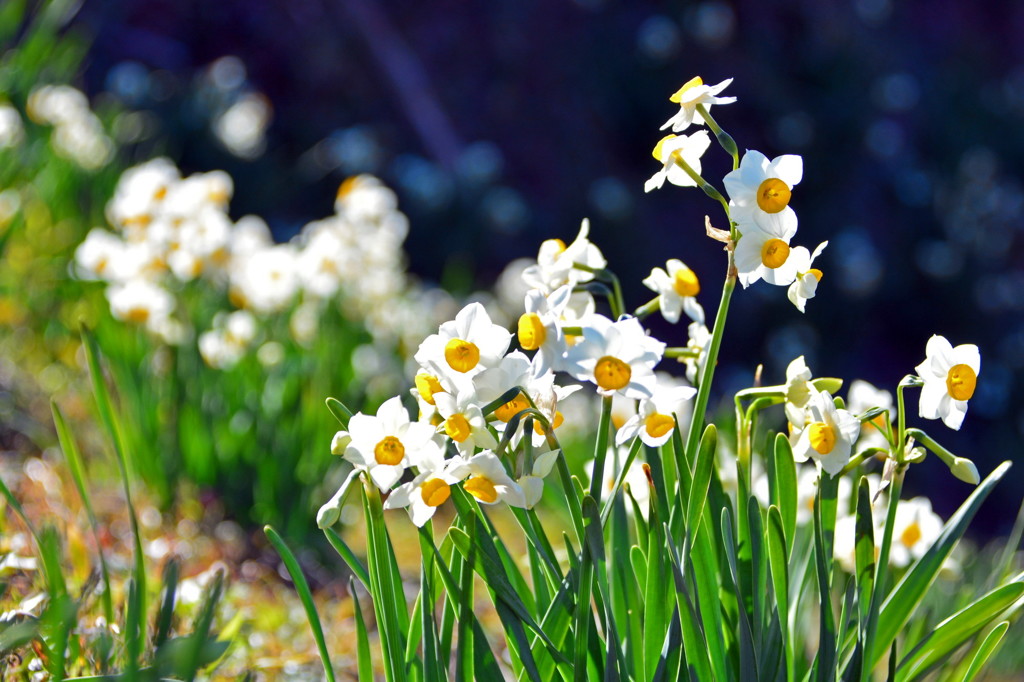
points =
(789, 168)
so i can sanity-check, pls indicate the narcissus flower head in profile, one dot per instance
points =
(950, 378)
(617, 356)
(656, 417)
(805, 286)
(670, 151)
(762, 186)
(692, 93)
(828, 437)
(554, 266)
(677, 287)
(485, 479)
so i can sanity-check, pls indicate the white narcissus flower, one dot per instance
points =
(140, 301)
(763, 250)
(762, 186)
(950, 377)
(464, 421)
(539, 328)
(915, 529)
(488, 481)
(656, 417)
(829, 436)
(385, 445)
(97, 257)
(677, 287)
(695, 92)
(670, 151)
(429, 490)
(805, 286)
(465, 346)
(532, 484)
(799, 390)
(554, 266)
(618, 357)
(698, 342)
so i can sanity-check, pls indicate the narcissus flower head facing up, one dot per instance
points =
(762, 186)
(429, 490)
(465, 346)
(692, 93)
(385, 445)
(828, 437)
(673, 149)
(950, 378)
(617, 356)
(677, 287)
(763, 251)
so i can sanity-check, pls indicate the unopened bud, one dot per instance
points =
(965, 470)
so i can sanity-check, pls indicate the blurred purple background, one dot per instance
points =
(501, 124)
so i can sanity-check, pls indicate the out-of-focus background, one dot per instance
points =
(502, 124)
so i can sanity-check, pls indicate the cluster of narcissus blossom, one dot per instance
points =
(77, 132)
(759, 191)
(489, 416)
(170, 230)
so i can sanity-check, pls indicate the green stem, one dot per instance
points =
(601, 447)
(882, 568)
(704, 185)
(707, 373)
(724, 138)
(647, 308)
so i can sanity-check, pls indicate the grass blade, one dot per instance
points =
(302, 587)
(364, 663)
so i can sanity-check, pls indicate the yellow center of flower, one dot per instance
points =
(512, 408)
(816, 272)
(911, 535)
(427, 385)
(347, 186)
(389, 451)
(531, 331)
(685, 283)
(435, 491)
(461, 355)
(457, 427)
(658, 425)
(137, 315)
(961, 382)
(160, 193)
(773, 195)
(481, 488)
(658, 148)
(822, 437)
(774, 253)
(677, 96)
(556, 245)
(538, 428)
(612, 374)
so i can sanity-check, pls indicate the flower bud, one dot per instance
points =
(965, 470)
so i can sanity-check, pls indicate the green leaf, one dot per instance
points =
(346, 553)
(74, 458)
(988, 647)
(166, 613)
(776, 542)
(698, 496)
(865, 571)
(340, 412)
(783, 488)
(907, 595)
(951, 633)
(302, 587)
